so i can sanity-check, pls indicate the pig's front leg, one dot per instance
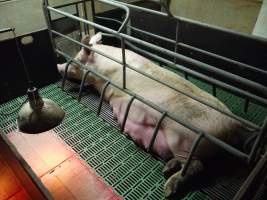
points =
(177, 182)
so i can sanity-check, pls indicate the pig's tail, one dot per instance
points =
(15, 110)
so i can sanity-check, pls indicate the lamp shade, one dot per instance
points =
(39, 115)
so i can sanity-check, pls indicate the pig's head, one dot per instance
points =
(83, 56)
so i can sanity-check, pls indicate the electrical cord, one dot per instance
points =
(24, 66)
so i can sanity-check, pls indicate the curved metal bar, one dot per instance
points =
(82, 84)
(127, 10)
(126, 113)
(190, 156)
(65, 74)
(191, 127)
(155, 133)
(102, 97)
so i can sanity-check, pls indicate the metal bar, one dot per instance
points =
(176, 40)
(82, 84)
(126, 113)
(209, 137)
(258, 143)
(143, 9)
(192, 151)
(102, 97)
(70, 4)
(4, 30)
(138, 30)
(93, 9)
(78, 14)
(125, 8)
(155, 133)
(65, 75)
(86, 27)
(183, 59)
(209, 80)
(258, 174)
(134, 7)
(123, 63)
(239, 65)
(48, 21)
(204, 77)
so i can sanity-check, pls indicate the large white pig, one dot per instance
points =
(174, 141)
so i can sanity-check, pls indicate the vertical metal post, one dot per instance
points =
(78, 13)
(93, 11)
(102, 97)
(48, 22)
(176, 41)
(123, 63)
(86, 27)
(190, 156)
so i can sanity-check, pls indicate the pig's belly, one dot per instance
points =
(142, 132)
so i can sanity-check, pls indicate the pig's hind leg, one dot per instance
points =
(178, 183)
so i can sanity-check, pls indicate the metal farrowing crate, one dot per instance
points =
(251, 86)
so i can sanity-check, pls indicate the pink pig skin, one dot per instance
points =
(173, 139)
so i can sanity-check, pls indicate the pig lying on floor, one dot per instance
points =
(174, 141)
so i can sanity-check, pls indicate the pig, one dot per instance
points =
(174, 141)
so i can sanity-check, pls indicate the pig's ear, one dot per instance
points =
(96, 39)
(85, 41)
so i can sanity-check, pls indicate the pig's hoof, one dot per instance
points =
(178, 184)
(174, 184)
(172, 166)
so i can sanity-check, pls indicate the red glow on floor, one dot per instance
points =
(60, 169)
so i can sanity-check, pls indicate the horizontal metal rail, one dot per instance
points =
(245, 122)
(185, 60)
(240, 65)
(182, 19)
(71, 4)
(197, 131)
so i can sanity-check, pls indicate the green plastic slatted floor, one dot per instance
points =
(132, 173)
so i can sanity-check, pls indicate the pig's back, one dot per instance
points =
(178, 139)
